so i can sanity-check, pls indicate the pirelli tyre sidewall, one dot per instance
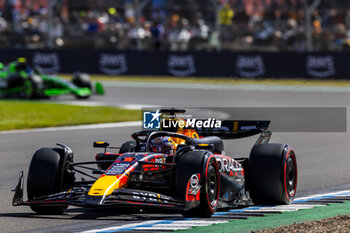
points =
(273, 174)
(47, 175)
(205, 164)
(210, 191)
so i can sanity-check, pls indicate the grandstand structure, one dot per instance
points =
(176, 25)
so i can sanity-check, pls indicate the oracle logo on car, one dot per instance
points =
(250, 66)
(113, 64)
(227, 164)
(48, 62)
(320, 66)
(181, 65)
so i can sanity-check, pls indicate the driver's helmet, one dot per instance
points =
(21, 64)
(163, 145)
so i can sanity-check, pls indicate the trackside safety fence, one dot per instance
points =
(202, 64)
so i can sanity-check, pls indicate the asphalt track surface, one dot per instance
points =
(323, 158)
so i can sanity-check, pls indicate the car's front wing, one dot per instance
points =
(121, 197)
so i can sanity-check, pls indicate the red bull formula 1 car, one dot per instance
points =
(196, 178)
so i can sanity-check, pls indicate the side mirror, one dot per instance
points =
(101, 144)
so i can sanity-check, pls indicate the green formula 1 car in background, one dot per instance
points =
(19, 80)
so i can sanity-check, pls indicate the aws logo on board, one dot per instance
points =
(48, 62)
(181, 65)
(320, 66)
(250, 66)
(113, 64)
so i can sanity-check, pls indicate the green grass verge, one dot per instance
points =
(28, 114)
(275, 220)
(228, 80)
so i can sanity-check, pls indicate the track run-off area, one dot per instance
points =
(323, 158)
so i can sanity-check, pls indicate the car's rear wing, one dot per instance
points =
(238, 129)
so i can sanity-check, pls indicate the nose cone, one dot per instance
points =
(106, 184)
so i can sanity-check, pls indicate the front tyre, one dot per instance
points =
(211, 192)
(48, 174)
(204, 164)
(272, 174)
(82, 80)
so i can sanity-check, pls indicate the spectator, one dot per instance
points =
(157, 32)
(225, 20)
(226, 15)
(184, 35)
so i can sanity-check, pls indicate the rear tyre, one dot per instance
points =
(204, 164)
(48, 174)
(272, 174)
(82, 80)
(128, 146)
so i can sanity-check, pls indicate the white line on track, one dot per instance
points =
(162, 228)
(115, 228)
(101, 104)
(301, 207)
(285, 208)
(199, 222)
(233, 87)
(76, 127)
(159, 225)
(339, 193)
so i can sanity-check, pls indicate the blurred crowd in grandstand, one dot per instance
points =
(175, 25)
